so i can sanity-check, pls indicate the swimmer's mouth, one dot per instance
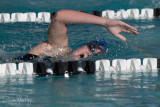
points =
(81, 56)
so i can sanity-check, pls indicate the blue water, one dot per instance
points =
(100, 89)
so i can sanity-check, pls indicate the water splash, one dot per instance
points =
(156, 3)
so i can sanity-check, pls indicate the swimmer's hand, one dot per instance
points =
(117, 26)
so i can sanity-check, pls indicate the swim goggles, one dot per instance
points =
(100, 44)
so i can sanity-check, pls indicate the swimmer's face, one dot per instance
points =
(84, 52)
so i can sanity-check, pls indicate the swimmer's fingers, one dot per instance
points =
(120, 37)
(129, 29)
(116, 30)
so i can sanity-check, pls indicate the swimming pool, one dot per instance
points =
(100, 89)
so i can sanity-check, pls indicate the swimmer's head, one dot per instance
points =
(91, 48)
(99, 46)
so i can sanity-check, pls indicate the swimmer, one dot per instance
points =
(57, 42)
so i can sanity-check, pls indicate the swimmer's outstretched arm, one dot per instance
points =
(57, 31)
(76, 17)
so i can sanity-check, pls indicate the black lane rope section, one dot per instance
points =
(157, 12)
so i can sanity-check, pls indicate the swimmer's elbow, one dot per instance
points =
(60, 15)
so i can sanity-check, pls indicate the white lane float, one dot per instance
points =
(44, 16)
(18, 17)
(5, 17)
(122, 14)
(146, 13)
(26, 68)
(30, 16)
(119, 64)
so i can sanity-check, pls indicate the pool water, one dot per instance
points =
(101, 89)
